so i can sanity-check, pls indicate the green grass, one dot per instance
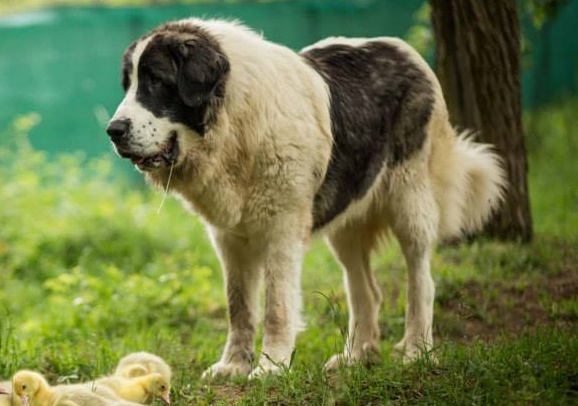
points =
(90, 272)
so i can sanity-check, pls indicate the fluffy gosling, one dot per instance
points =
(5, 399)
(141, 389)
(32, 389)
(142, 363)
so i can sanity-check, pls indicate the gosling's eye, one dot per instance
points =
(163, 387)
(24, 386)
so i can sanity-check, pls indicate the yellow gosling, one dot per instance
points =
(140, 389)
(32, 389)
(142, 363)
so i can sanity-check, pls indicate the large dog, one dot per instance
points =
(349, 138)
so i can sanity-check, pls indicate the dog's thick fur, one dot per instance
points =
(349, 138)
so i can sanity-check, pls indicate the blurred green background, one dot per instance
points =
(62, 62)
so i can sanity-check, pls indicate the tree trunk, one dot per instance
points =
(478, 65)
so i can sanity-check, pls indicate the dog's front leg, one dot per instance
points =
(282, 318)
(242, 273)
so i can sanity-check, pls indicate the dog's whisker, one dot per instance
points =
(166, 193)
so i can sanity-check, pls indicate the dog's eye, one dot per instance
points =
(154, 82)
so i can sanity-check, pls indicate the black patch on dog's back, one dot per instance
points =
(381, 102)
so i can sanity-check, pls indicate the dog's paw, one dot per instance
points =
(267, 367)
(337, 361)
(368, 355)
(227, 370)
(408, 352)
(264, 371)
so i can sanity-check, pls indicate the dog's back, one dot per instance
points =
(380, 105)
(386, 108)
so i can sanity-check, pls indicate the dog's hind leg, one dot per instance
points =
(414, 217)
(352, 245)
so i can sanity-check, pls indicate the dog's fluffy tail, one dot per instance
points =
(469, 183)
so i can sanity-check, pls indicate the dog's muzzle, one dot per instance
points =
(119, 133)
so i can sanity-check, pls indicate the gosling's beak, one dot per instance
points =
(24, 400)
(167, 399)
(4, 391)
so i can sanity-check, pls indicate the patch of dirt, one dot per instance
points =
(508, 308)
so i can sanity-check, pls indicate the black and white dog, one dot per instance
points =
(349, 138)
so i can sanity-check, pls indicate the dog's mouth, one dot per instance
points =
(166, 157)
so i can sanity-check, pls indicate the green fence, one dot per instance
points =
(63, 63)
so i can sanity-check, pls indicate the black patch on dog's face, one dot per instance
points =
(127, 66)
(181, 75)
(380, 104)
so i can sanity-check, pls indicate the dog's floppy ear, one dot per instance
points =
(201, 70)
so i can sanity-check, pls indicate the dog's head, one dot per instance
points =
(173, 78)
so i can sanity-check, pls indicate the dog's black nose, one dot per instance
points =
(118, 129)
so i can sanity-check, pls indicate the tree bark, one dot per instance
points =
(478, 65)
